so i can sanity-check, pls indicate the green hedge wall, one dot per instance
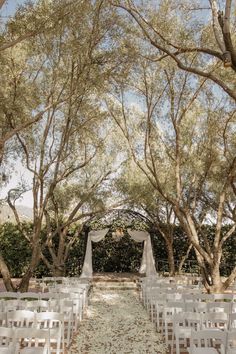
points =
(108, 255)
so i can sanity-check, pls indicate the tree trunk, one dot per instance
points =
(35, 258)
(170, 254)
(216, 286)
(183, 259)
(6, 275)
(58, 271)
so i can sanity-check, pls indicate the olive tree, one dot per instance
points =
(75, 64)
(182, 138)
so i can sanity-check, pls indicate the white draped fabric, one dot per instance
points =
(147, 264)
(95, 236)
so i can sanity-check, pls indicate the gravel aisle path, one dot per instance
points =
(117, 324)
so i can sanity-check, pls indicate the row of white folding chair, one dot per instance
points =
(175, 307)
(172, 280)
(157, 304)
(65, 308)
(78, 294)
(219, 320)
(184, 323)
(161, 307)
(22, 341)
(19, 295)
(53, 303)
(188, 296)
(52, 281)
(212, 342)
(152, 292)
(28, 296)
(183, 279)
(46, 320)
(35, 305)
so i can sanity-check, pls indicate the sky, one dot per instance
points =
(7, 10)
(10, 7)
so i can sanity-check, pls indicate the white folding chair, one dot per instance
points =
(232, 320)
(10, 305)
(190, 297)
(219, 306)
(208, 341)
(217, 320)
(55, 322)
(20, 318)
(29, 296)
(152, 301)
(223, 297)
(158, 307)
(206, 297)
(7, 340)
(77, 308)
(231, 342)
(196, 306)
(66, 308)
(169, 311)
(35, 341)
(183, 324)
(3, 319)
(49, 295)
(8, 295)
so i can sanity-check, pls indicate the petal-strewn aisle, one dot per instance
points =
(117, 324)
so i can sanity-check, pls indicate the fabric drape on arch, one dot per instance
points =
(95, 236)
(147, 264)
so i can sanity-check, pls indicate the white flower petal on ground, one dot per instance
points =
(117, 323)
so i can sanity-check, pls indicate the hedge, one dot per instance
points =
(108, 255)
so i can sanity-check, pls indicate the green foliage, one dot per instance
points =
(15, 248)
(109, 255)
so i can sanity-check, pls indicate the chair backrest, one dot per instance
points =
(3, 319)
(232, 320)
(171, 308)
(188, 319)
(6, 337)
(196, 306)
(28, 296)
(35, 338)
(209, 338)
(21, 318)
(206, 297)
(219, 306)
(48, 319)
(28, 305)
(218, 320)
(10, 305)
(54, 305)
(190, 297)
(223, 297)
(8, 295)
(231, 340)
(55, 322)
(174, 297)
(66, 306)
(49, 295)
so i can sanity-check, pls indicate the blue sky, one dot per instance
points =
(10, 7)
(7, 10)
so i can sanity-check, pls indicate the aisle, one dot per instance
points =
(117, 324)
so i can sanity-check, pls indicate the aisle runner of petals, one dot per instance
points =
(117, 324)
